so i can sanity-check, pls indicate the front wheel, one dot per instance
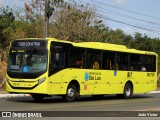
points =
(71, 93)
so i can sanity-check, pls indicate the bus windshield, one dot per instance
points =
(27, 61)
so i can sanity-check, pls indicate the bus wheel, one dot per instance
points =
(37, 97)
(128, 91)
(71, 93)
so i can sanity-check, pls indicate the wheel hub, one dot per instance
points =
(128, 91)
(70, 92)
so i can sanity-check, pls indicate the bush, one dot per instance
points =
(3, 68)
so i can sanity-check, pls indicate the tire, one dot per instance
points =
(127, 92)
(71, 93)
(38, 97)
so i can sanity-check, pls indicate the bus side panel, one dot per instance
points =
(100, 81)
(144, 81)
(55, 83)
(110, 83)
(59, 81)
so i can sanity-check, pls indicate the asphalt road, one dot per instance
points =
(109, 106)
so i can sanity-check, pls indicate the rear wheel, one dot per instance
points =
(71, 94)
(127, 92)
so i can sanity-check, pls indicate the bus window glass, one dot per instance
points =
(94, 59)
(153, 68)
(108, 60)
(60, 58)
(57, 58)
(28, 61)
(135, 62)
(122, 61)
(77, 57)
(148, 62)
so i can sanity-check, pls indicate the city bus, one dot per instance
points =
(47, 67)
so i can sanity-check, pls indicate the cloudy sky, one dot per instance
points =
(129, 15)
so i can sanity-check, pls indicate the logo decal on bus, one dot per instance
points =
(25, 69)
(86, 77)
(115, 72)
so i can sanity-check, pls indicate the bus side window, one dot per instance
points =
(108, 60)
(143, 68)
(52, 60)
(95, 65)
(109, 65)
(77, 57)
(115, 66)
(134, 62)
(60, 58)
(94, 59)
(57, 58)
(79, 63)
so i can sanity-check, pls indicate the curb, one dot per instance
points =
(24, 95)
(13, 95)
(155, 92)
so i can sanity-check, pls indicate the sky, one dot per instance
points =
(131, 16)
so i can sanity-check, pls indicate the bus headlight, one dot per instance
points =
(41, 80)
(7, 80)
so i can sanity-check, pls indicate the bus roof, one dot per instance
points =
(112, 47)
(105, 46)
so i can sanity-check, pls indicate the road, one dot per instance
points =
(87, 106)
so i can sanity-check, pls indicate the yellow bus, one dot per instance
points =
(46, 67)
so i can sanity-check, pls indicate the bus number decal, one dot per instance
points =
(129, 74)
(150, 74)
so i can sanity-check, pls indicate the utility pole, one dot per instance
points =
(46, 19)
(48, 12)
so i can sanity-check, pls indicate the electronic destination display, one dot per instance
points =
(29, 43)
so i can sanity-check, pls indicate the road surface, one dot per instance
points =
(144, 105)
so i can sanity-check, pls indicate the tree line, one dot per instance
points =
(70, 21)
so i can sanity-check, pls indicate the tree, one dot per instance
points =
(75, 22)
(6, 20)
(143, 42)
(38, 14)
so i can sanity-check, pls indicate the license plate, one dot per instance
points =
(18, 84)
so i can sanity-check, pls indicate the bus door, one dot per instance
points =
(56, 64)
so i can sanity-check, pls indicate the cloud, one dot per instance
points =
(1, 3)
(121, 2)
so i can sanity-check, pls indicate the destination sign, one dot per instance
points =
(29, 43)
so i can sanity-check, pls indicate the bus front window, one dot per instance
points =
(27, 61)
